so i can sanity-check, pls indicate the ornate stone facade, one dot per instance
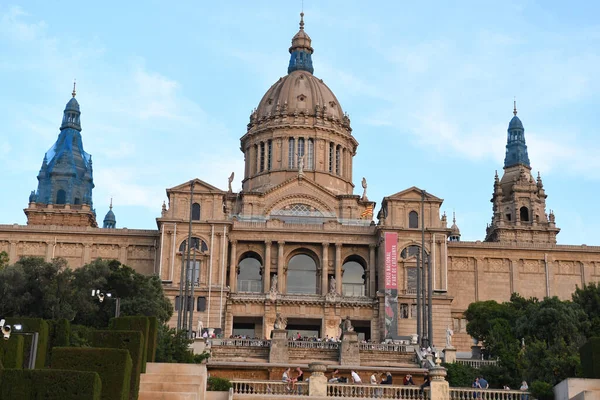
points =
(297, 240)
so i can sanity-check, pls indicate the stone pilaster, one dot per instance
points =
(325, 269)
(349, 350)
(267, 267)
(280, 279)
(278, 352)
(233, 267)
(338, 268)
(372, 269)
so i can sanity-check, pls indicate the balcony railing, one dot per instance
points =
(269, 388)
(240, 342)
(353, 289)
(476, 363)
(249, 286)
(343, 390)
(383, 347)
(299, 344)
(488, 394)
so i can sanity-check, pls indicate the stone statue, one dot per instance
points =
(301, 165)
(274, 280)
(346, 325)
(449, 334)
(364, 185)
(164, 209)
(280, 322)
(332, 285)
(229, 181)
(199, 328)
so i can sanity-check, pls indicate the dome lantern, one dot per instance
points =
(301, 50)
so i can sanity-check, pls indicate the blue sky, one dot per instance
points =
(166, 90)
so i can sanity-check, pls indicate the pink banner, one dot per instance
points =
(391, 285)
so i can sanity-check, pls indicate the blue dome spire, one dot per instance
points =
(110, 221)
(72, 113)
(301, 50)
(516, 148)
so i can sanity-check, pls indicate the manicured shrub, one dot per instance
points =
(59, 335)
(33, 325)
(45, 384)
(152, 339)
(11, 352)
(541, 390)
(80, 336)
(590, 358)
(113, 366)
(128, 340)
(215, 384)
(133, 324)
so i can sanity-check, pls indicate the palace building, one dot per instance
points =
(299, 239)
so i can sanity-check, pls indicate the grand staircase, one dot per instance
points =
(173, 382)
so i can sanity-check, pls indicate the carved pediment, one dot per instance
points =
(413, 194)
(199, 187)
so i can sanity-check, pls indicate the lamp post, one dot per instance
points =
(102, 295)
(6, 332)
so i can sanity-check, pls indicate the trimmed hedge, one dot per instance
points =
(152, 339)
(113, 366)
(590, 358)
(33, 325)
(216, 384)
(128, 340)
(45, 384)
(141, 324)
(11, 352)
(59, 335)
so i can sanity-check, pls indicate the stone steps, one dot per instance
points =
(163, 381)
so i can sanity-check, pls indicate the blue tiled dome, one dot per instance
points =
(110, 216)
(515, 123)
(72, 105)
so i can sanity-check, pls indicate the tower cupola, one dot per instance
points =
(301, 50)
(110, 221)
(516, 148)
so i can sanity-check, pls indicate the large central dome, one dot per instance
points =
(300, 91)
(299, 128)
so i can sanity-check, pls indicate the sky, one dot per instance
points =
(166, 90)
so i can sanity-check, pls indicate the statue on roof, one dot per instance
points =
(364, 185)
(229, 181)
(301, 165)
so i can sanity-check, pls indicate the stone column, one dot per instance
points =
(267, 267)
(123, 254)
(48, 251)
(338, 268)
(325, 269)
(280, 286)
(479, 275)
(439, 387)
(514, 275)
(372, 269)
(12, 251)
(86, 253)
(233, 267)
(317, 384)
(278, 353)
(349, 350)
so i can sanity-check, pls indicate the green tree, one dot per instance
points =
(4, 260)
(588, 298)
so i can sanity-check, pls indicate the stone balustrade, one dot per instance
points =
(240, 342)
(383, 347)
(488, 394)
(299, 344)
(350, 391)
(269, 388)
(476, 363)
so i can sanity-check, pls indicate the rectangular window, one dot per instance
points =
(403, 311)
(201, 304)
(190, 303)
(177, 303)
(311, 155)
(291, 153)
(300, 149)
(194, 267)
(262, 156)
(411, 280)
(331, 157)
(337, 159)
(269, 155)
(413, 311)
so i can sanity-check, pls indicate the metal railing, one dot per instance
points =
(353, 289)
(476, 363)
(383, 347)
(488, 394)
(269, 388)
(240, 342)
(299, 344)
(343, 390)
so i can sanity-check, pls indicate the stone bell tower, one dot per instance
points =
(519, 200)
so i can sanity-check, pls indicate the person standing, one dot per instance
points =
(483, 383)
(524, 388)
(355, 378)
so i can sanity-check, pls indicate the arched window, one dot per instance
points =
(331, 157)
(61, 197)
(262, 156)
(195, 212)
(338, 151)
(409, 257)
(353, 279)
(269, 154)
(413, 219)
(524, 213)
(197, 244)
(302, 275)
(249, 277)
(300, 150)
